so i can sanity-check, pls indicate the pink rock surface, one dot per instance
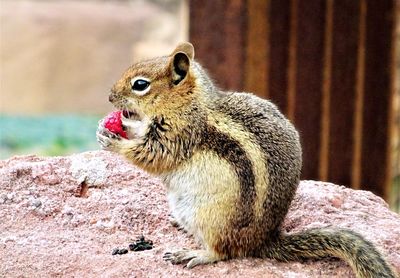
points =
(63, 216)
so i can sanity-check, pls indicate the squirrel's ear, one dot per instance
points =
(181, 61)
(185, 47)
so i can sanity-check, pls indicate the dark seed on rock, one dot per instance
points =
(115, 251)
(123, 251)
(141, 244)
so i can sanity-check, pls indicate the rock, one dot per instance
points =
(91, 170)
(47, 229)
(3, 198)
(36, 203)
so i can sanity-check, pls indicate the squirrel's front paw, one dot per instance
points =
(108, 141)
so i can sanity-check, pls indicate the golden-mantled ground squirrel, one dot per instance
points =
(230, 161)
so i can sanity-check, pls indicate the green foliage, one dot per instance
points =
(47, 135)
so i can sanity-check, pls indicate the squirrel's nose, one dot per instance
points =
(111, 97)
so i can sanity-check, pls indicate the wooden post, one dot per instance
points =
(378, 95)
(308, 82)
(218, 31)
(342, 95)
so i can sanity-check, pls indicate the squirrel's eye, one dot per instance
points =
(140, 85)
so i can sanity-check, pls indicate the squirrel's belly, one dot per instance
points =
(203, 195)
(183, 209)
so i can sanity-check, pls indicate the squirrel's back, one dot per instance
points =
(277, 139)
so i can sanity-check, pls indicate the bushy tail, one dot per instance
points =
(362, 256)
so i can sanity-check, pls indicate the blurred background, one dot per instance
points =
(59, 60)
(333, 67)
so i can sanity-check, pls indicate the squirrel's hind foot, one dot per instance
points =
(195, 257)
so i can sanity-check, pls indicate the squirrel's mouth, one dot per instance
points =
(131, 115)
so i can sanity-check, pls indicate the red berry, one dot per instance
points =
(113, 123)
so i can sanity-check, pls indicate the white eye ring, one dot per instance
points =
(140, 85)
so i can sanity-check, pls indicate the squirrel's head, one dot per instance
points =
(157, 86)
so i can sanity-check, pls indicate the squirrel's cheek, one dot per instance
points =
(135, 128)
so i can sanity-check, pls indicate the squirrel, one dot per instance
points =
(230, 162)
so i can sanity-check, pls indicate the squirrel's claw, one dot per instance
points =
(195, 257)
(106, 139)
